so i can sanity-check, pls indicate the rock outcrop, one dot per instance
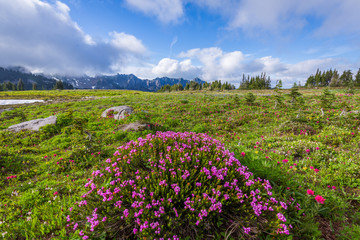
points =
(135, 126)
(33, 125)
(6, 109)
(118, 112)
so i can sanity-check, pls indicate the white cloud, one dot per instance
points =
(215, 63)
(42, 36)
(231, 62)
(173, 68)
(165, 10)
(128, 43)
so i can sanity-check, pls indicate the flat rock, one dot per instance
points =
(135, 126)
(6, 109)
(120, 112)
(33, 125)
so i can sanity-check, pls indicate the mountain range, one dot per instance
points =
(42, 82)
(117, 81)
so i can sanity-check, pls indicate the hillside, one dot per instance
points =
(12, 75)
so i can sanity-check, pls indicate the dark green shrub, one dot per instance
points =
(250, 98)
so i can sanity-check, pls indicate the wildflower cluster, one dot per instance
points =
(10, 177)
(175, 185)
(318, 198)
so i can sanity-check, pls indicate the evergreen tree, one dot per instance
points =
(327, 98)
(346, 78)
(34, 86)
(59, 85)
(205, 85)
(278, 96)
(250, 98)
(335, 79)
(310, 82)
(8, 86)
(20, 85)
(165, 88)
(357, 79)
(294, 95)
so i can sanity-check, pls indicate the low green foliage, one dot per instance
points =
(295, 146)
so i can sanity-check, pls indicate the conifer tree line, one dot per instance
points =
(9, 86)
(257, 82)
(193, 85)
(332, 78)
(19, 86)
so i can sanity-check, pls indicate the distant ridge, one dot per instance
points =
(117, 81)
(13, 74)
(123, 81)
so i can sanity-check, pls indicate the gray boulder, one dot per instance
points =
(33, 125)
(6, 109)
(135, 126)
(119, 112)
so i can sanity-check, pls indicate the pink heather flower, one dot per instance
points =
(247, 230)
(243, 154)
(135, 230)
(198, 184)
(255, 146)
(285, 160)
(311, 167)
(55, 193)
(333, 187)
(57, 163)
(320, 199)
(45, 157)
(317, 148)
(85, 237)
(281, 217)
(310, 192)
(266, 157)
(316, 170)
(352, 133)
(307, 150)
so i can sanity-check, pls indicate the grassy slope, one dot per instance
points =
(53, 164)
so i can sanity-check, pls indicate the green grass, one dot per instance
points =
(52, 165)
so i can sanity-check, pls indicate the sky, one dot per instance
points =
(209, 39)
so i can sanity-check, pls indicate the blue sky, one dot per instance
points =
(210, 39)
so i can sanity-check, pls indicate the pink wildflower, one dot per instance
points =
(320, 199)
(310, 192)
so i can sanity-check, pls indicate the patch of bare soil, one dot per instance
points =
(328, 228)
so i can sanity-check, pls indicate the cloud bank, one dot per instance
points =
(215, 64)
(42, 37)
